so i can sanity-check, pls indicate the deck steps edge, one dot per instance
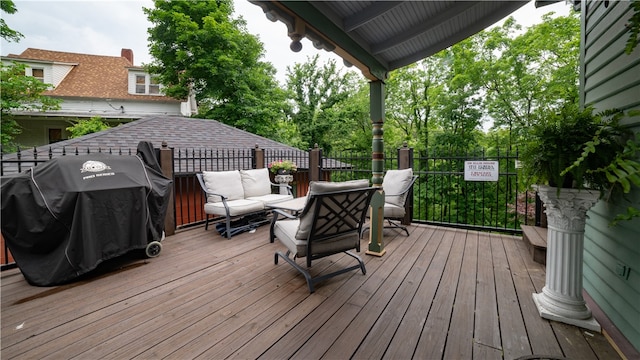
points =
(536, 239)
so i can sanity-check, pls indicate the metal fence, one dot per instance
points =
(441, 196)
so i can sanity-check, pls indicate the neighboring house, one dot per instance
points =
(610, 78)
(110, 87)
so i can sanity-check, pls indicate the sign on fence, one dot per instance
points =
(481, 170)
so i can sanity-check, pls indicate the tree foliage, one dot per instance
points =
(84, 127)
(323, 107)
(19, 92)
(198, 45)
(459, 104)
(633, 27)
(529, 74)
(6, 32)
(411, 96)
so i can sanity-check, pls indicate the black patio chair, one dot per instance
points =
(330, 223)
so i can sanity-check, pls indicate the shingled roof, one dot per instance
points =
(179, 133)
(92, 76)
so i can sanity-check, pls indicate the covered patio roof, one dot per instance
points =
(381, 36)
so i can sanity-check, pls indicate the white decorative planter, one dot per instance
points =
(561, 297)
(283, 180)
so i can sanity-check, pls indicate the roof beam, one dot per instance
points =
(474, 28)
(416, 31)
(363, 17)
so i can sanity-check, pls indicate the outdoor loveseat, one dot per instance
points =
(238, 193)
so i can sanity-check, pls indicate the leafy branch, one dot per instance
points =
(624, 168)
(633, 27)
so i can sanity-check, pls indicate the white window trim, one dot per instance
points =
(147, 84)
(29, 72)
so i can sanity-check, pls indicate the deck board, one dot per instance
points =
(544, 341)
(460, 341)
(434, 334)
(439, 293)
(515, 342)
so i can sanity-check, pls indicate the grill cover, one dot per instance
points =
(64, 217)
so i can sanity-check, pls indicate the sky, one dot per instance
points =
(104, 27)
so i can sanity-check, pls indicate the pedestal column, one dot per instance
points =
(561, 297)
(283, 181)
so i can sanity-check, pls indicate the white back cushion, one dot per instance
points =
(255, 182)
(393, 183)
(227, 183)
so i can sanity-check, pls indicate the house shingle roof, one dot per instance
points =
(93, 76)
(178, 132)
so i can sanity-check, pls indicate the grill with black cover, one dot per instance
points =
(64, 217)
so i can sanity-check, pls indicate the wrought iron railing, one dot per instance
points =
(441, 196)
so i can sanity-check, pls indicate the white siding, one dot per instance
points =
(112, 108)
(59, 72)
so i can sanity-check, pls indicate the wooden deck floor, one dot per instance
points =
(437, 294)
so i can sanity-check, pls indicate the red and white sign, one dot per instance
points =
(481, 170)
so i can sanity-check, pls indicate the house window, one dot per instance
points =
(146, 84)
(154, 86)
(141, 82)
(38, 74)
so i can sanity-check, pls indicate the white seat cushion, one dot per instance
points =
(227, 183)
(393, 183)
(236, 207)
(393, 211)
(285, 231)
(271, 198)
(255, 182)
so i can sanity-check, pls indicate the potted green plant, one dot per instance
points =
(282, 167)
(576, 157)
(576, 149)
(582, 149)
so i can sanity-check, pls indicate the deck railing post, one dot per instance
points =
(258, 158)
(315, 163)
(166, 163)
(405, 161)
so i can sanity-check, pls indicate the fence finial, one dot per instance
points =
(164, 144)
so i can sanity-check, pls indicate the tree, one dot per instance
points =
(5, 31)
(19, 92)
(353, 119)
(410, 98)
(90, 126)
(458, 108)
(526, 75)
(319, 95)
(197, 45)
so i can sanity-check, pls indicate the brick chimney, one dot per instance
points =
(127, 54)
